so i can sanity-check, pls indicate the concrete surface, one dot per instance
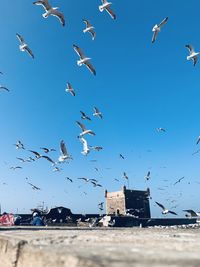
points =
(100, 247)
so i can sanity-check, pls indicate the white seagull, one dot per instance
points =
(84, 130)
(97, 113)
(193, 55)
(70, 89)
(84, 60)
(50, 10)
(86, 149)
(164, 210)
(89, 28)
(64, 154)
(156, 29)
(23, 46)
(106, 6)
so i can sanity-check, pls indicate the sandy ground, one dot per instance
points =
(100, 247)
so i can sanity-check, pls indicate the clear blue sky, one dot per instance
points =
(138, 87)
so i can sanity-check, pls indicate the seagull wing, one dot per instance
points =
(93, 33)
(163, 22)
(20, 38)
(88, 24)
(81, 126)
(190, 48)
(110, 12)
(82, 113)
(59, 15)
(48, 158)
(44, 3)
(90, 67)
(29, 51)
(172, 212)
(155, 33)
(69, 86)
(36, 153)
(198, 140)
(4, 88)
(195, 59)
(96, 110)
(78, 51)
(193, 213)
(160, 205)
(63, 148)
(104, 1)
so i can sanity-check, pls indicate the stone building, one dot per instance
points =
(128, 202)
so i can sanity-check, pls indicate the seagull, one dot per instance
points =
(84, 116)
(23, 46)
(193, 55)
(56, 169)
(37, 155)
(147, 177)
(125, 175)
(19, 145)
(84, 130)
(70, 89)
(47, 150)
(15, 167)
(69, 179)
(198, 140)
(117, 180)
(97, 113)
(96, 169)
(84, 179)
(161, 130)
(121, 156)
(86, 150)
(50, 10)
(95, 184)
(106, 6)
(21, 159)
(89, 28)
(83, 59)
(98, 148)
(192, 213)
(165, 211)
(156, 29)
(33, 186)
(64, 154)
(4, 88)
(179, 180)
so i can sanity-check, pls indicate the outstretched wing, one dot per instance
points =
(160, 205)
(63, 148)
(192, 212)
(90, 67)
(44, 3)
(78, 51)
(155, 33)
(81, 126)
(29, 51)
(163, 22)
(59, 15)
(190, 48)
(87, 23)
(20, 38)
(110, 12)
(172, 212)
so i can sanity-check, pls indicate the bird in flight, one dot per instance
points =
(84, 130)
(23, 46)
(49, 159)
(193, 55)
(33, 186)
(37, 154)
(89, 28)
(69, 179)
(64, 154)
(106, 6)
(4, 88)
(19, 145)
(121, 156)
(125, 175)
(70, 89)
(161, 130)
(83, 59)
(86, 149)
(164, 210)
(147, 177)
(157, 28)
(84, 116)
(192, 213)
(47, 150)
(50, 10)
(178, 181)
(15, 167)
(97, 113)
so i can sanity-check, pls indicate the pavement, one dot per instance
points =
(98, 247)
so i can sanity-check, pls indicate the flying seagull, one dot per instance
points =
(15, 167)
(23, 46)
(64, 154)
(106, 6)
(125, 175)
(69, 179)
(164, 210)
(193, 55)
(4, 88)
(86, 150)
(89, 28)
(97, 113)
(192, 213)
(84, 60)
(161, 130)
(70, 89)
(179, 180)
(198, 140)
(147, 177)
(121, 156)
(33, 186)
(49, 159)
(19, 145)
(47, 150)
(84, 130)
(37, 155)
(157, 28)
(84, 116)
(98, 148)
(50, 10)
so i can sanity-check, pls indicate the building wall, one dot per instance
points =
(115, 203)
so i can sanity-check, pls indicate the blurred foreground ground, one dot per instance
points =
(113, 247)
